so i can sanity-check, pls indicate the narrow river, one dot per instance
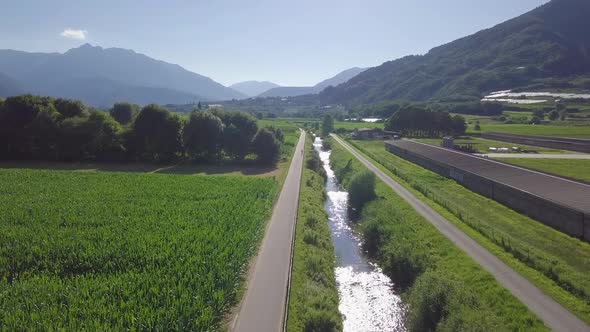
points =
(368, 301)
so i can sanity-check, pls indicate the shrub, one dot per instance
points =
(361, 190)
(202, 135)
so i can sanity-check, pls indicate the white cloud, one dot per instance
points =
(74, 34)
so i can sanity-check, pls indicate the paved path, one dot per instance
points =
(580, 156)
(263, 305)
(550, 312)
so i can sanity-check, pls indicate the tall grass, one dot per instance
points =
(313, 301)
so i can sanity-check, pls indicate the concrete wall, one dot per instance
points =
(548, 142)
(563, 218)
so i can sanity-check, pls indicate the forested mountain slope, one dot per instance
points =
(546, 47)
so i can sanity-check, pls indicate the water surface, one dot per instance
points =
(368, 301)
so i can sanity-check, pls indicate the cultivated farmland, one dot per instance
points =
(92, 250)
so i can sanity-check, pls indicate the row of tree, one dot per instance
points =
(43, 128)
(419, 122)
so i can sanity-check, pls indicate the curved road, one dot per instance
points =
(264, 304)
(550, 312)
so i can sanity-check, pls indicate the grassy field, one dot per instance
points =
(553, 261)
(445, 289)
(355, 125)
(313, 301)
(571, 168)
(123, 251)
(483, 145)
(539, 130)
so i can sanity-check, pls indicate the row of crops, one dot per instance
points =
(95, 251)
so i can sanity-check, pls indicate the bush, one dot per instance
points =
(361, 190)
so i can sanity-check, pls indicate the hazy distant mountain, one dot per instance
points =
(287, 91)
(340, 78)
(253, 88)
(9, 86)
(57, 75)
(546, 47)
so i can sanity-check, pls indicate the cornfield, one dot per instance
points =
(104, 251)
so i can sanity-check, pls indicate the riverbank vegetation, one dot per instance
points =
(445, 289)
(43, 128)
(556, 263)
(313, 300)
(127, 251)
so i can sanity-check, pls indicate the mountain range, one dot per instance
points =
(286, 91)
(548, 47)
(101, 76)
(253, 88)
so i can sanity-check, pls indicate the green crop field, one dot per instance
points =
(553, 261)
(355, 125)
(445, 289)
(539, 130)
(97, 251)
(571, 168)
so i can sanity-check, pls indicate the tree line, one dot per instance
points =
(419, 122)
(44, 128)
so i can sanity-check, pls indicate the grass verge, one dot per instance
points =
(313, 301)
(445, 289)
(577, 169)
(556, 263)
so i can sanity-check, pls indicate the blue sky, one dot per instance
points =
(287, 42)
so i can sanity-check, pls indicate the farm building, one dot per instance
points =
(367, 134)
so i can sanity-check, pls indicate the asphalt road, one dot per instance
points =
(263, 306)
(550, 312)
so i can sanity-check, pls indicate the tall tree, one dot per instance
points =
(240, 129)
(124, 113)
(203, 135)
(327, 125)
(266, 147)
(156, 134)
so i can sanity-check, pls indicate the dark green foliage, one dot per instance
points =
(419, 122)
(266, 147)
(203, 135)
(43, 128)
(327, 125)
(277, 132)
(28, 128)
(361, 189)
(553, 115)
(476, 108)
(240, 129)
(535, 120)
(156, 134)
(544, 47)
(69, 108)
(124, 113)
